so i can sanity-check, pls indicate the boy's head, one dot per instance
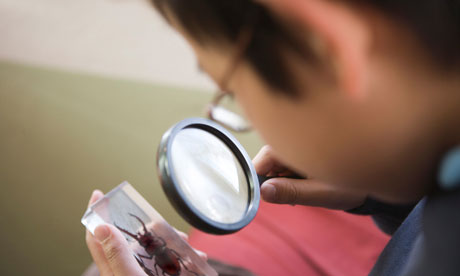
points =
(354, 93)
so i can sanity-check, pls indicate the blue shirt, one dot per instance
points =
(427, 242)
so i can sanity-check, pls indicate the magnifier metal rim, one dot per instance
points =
(177, 197)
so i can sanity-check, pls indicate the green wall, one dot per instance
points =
(64, 134)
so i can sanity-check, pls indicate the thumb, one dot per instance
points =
(309, 192)
(117, 252)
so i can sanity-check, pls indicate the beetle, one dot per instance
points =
(167, 259)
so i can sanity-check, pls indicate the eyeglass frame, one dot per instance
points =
(244, 40)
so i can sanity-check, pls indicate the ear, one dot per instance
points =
(343, 33)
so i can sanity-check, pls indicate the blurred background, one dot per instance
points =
(87, 88)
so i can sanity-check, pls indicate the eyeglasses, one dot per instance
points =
(216, 110)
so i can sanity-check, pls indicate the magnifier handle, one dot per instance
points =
(263, 178)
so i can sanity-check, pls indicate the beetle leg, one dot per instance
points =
(139, 219)
(145, 268)
(186, 268)
(145, 257)
(155, 266)
(162, 240)
(143, 225)
(126, 232)
(175, 253)
(181, 261)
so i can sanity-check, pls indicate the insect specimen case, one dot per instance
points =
(156, 246)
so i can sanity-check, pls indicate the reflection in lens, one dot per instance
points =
(210, 175)
(230, 119)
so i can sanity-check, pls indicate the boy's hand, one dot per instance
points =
(285, 190)
(110, 250)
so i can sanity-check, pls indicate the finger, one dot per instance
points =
(309, 192)
(181, 234)
(184, 236)
(98, 255)
(95, 196)
(94, 246)
(116, 251)
(264, 162)
(267, 165)
(202, 255)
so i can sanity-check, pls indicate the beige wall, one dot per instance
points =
(120, 38)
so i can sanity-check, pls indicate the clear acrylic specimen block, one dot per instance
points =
(157, 247)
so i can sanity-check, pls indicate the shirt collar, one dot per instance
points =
(449, 173)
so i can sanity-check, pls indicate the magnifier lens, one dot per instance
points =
(210, 176)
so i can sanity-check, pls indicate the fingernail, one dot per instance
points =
(93, 195)
(201, 254)
(268, 192)
(102, 233)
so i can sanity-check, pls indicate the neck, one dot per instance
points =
(434, 97)
(456, 120)
(448, 109)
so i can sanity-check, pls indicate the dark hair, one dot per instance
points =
(436, 23)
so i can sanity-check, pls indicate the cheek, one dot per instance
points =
(361, 146)
(326, 140)
(323, 136)
(275, 119)
(312, 140)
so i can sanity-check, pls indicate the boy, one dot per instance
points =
(361, 96)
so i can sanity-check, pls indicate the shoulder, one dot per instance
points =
(437, 249)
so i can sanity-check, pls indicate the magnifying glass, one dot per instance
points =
(208, 177)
